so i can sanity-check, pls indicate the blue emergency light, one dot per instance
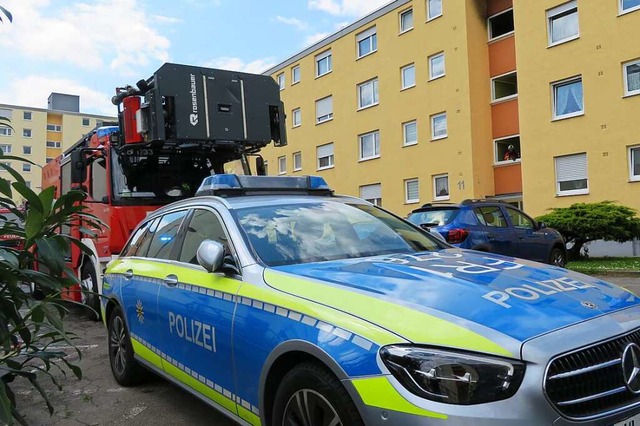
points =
(230, 185)
(106, 130)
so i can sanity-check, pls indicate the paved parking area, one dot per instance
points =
(98, 400)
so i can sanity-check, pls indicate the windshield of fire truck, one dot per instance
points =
(145, 176)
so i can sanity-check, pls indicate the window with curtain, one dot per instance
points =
(632, 78)
(572, 176)
(568, 99)
(411, 191)
(441, 187)
(325, 156)
(410, 133)
(324, 109)
(563, 23)
(372, 194)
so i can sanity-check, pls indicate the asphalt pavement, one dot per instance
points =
(98, 400)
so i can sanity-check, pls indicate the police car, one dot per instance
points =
(279, 303)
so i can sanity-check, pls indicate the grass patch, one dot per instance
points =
(596, 265)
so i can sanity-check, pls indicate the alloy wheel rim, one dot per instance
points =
(557, 259)
(117, 345)
(307, 407)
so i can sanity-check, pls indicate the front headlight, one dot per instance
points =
(453, 377)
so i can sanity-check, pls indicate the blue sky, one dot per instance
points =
(87, 48)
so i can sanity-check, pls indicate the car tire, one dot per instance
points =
(557, 257)
(89, 288)
(126, 370)
(310, 394)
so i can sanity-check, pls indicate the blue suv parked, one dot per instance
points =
(495, 227)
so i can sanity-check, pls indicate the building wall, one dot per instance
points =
(72, 129)
(610, 121)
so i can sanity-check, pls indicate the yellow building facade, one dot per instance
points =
(421, 100)
(40, 135)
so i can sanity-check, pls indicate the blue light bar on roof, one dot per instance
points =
(228, 184)
(106, 130)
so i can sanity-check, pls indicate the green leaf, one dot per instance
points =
(33, 223)
(46, 198)
(7, 13)
(5, 188)
(53, 316)
(36, 384)
(17, 176)
(50, 251)
(5, 405)
(30, 196)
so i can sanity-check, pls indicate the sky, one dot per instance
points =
(88, 48)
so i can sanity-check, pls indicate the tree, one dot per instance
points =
(584, 222)
(31, 329)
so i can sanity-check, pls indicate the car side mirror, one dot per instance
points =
(210, 255)
(542, 225)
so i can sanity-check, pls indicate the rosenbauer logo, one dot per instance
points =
(193, 118)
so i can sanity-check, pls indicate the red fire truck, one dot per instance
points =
(174, 129)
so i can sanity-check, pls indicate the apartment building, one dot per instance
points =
(531, 102)
(42, 134)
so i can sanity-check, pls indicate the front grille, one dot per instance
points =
(590, 382)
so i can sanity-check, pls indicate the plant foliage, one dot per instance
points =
(584, 222)
(6, 13)
(32, 331)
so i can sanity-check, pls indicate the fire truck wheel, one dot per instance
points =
(90, 297)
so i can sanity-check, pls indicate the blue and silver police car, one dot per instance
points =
(279, 303)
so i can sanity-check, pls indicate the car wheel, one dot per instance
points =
(311, 395)
(124, 367)
(89, 287)
(557, 257)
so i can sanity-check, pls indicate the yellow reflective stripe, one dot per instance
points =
(336, 318)
(146, 353)
(416, 326)
(200, 387)
(379, 392)
(248, 416)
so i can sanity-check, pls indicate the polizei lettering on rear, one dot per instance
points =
(193, 331)
(536, 290)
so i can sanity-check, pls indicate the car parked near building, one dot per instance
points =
(493, 226)
(279, 303)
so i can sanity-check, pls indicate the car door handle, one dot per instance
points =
(171, 280)
(128, 274)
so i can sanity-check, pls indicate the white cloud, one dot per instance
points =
(314, 38)
(34, 90)
(114, 33)
(346, 7)
(257, 66)
(166, 19)
(294, 22)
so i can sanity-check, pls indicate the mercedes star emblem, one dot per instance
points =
(631, 368)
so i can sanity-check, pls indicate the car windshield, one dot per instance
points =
(328, 230)
(438, 217)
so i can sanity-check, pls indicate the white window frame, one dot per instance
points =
(444, 66)
(623, 11)
(54, 128)
(27, 148)
(25, 131)
(8, 147)
(376, 95)
(329, 157)
(408, 200)
(437, 197)
(281, 81)
(583, 191)
(625, 78)
(402, 15)
(404, 133)
(493, 88)
(26, 167)
(6, 131)
(24, 115)
(432, 120)
(295, 80)
(560, 10)
(429, 16)
(376, 145)
(88, 121)
(491, 37)
(282, 161)
(297, 156)
(326, 55)
(404, 85)
(632, 149)
(324, 117)
(296, 118)
(373, 189)
(56, 145)
(558, 84)
(370, 35)
(495, 150)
